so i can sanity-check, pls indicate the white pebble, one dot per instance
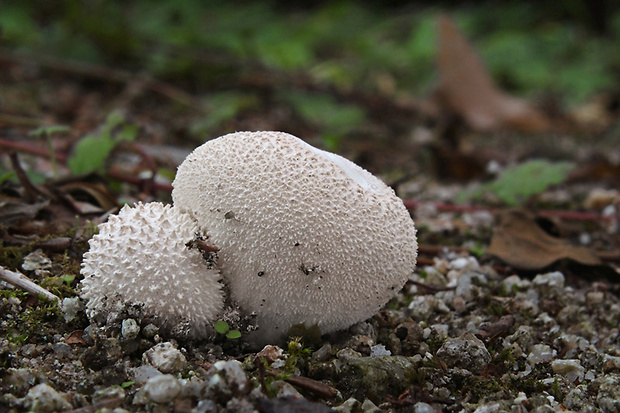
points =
(159, 389)
(552, 279)
(540, 353)
(379, 350)
(43, 398)
(71, 307)
(130, 329)
(571, 369)
(165, 357)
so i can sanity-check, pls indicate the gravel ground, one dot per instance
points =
(458, 337)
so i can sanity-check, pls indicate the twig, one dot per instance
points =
(30, 190)
(308, 384)
(20, 280)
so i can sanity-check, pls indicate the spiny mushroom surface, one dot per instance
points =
(305, 236)
(139, 258)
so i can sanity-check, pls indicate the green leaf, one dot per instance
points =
(335, 118)
(223, 108)
(515, 185)
(221, 327)
(233, 334)
(126, 384)
(92, 150)
(6, 176)
(49, 130)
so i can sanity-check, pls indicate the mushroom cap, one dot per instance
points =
(305, 236)
(139, 258)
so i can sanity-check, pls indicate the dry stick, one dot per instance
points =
(32, 192)
(93, 70)
(20, 280)
(319, 388)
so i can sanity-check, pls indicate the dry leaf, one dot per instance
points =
(522, 244)
(467, 89)
(76, 338)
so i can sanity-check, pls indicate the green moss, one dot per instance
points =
(12, 257)
(296, 353)
(34, 323)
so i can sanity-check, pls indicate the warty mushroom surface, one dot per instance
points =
(139, 259)
(305, 236)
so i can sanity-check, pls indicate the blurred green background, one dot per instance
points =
(220, 51)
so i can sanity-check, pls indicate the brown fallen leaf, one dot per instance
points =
(467, 89)
(522, 244)
(76, 338)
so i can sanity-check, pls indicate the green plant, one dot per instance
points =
(334, 118)
(222, 327)
(518, 183)
(92, 150)
(296, 352)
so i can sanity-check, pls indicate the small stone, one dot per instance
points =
(43, 398)
(514, 281)
(571, 369)
(608, 398)
(36, 260)
(205, 406)
(323, 353)
(150, 330)
(347, 354)
(489, 408)
(159, 389)
(595, 297)
(611, 363)
(107, 393)
(465, 285)
(552, 279)
(440, 330)
(379, 350)
(270, 353)
(375, 377)
(576, 397)
(467, 352)
(61, 349)
(143, 373)
(369, 407)
(20, 380)
(130, 329)
(71, 307)
(541, 353)
(235, 376)
(165, 357)
(421, 407)
(464, 264)
(422, 307)
(284, 389)
(349, 405)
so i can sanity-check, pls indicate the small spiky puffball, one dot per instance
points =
(140, 259)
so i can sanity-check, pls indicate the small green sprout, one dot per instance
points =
(222, 327)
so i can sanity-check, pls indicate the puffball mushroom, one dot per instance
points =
(305, 236)
(139, 258)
